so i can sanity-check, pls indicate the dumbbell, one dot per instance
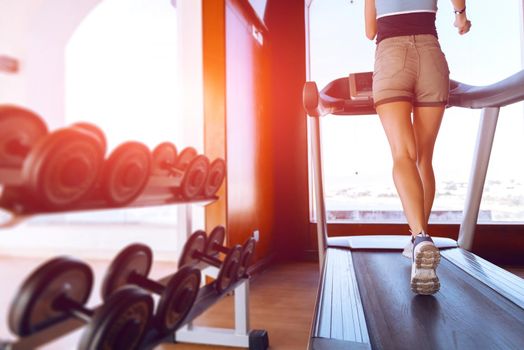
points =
(62, 168)
(188, 169)
(194, 253)
(59, 289)
(94, 130)
(215, 245)
(164, 156)
(126, 173)
(131, 267)
(66, 167)
(20, 129)
(217, 173)
(55, 170)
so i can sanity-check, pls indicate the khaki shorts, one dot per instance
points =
(411, 68)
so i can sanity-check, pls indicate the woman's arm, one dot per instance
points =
(371, 19)
(461, 20)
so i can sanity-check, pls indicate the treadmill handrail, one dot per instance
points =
(335, 99)
(319, 104)
(502, 93)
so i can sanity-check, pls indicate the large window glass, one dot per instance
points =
(356, 157)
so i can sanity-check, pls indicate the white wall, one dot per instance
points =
(36, 33)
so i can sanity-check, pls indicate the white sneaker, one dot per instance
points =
(408, 250)
(425, 257)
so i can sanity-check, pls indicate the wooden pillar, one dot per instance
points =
(214, 61)
(286, 25)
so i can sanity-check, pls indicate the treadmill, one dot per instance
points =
(364, 300)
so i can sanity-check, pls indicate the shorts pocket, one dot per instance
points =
(439, 61)
(389, 60)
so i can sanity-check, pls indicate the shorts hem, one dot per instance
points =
(430, 104)
(393, 99)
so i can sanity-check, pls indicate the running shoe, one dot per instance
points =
(425, 259)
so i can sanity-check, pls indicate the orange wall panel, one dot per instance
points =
(249, 146)
(260, 121)
(285, 21)
(237, 123)
(214, 61)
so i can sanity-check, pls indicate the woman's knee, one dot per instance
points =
(425, 169)
(424, 161)
(404, 150)
(404, 158)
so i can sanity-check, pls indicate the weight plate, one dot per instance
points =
(185, 157)
(194, 177)
(196, 243)
(34, 307)
(20, 129)
(217, 173)
(62, 168)
(121, 322)
(248, 250)
(178, 299)
(95, 130)
(164, 158)
(126, 173)
(135, 259)
(228, 272)
(216, 237)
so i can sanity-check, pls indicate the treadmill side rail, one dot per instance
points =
(339, 314)
(503, 282)
(333, 344)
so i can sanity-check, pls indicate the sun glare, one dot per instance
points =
(121, 71)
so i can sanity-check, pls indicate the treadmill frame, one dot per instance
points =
(479, 168)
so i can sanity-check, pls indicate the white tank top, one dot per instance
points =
(397, 7)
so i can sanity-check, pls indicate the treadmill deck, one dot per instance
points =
(464, 314)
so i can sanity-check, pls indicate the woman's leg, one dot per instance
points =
(396, 121)
(426, 124)
(412, 149)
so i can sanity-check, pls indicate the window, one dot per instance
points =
(356, 156)
(260, 7)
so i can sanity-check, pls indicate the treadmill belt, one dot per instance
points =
(464, 314)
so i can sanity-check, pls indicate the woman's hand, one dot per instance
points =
(462, 23)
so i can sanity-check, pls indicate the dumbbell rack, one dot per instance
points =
(19, 214)
(31, 153)
(239, 336)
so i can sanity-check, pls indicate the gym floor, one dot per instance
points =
(282, 299)
(281, 302)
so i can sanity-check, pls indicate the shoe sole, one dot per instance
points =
(424, 278)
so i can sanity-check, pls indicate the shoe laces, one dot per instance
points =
(421, 234)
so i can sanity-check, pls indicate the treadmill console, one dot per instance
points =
(360, 86)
